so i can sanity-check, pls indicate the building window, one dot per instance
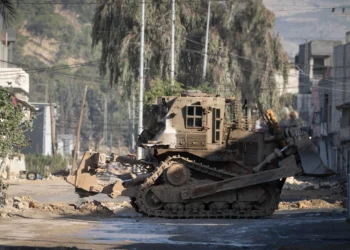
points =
(345, 120)
(217, 125)
(194, 117)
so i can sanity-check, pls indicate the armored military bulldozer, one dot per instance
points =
(205, 157)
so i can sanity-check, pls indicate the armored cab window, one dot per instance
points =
(229, 114)
(217, 123)
(194, 117)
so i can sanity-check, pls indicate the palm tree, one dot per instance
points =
(7, 11)
(241, 45)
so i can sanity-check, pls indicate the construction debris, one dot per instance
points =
(16, 205)
(310, 183)
(309, 204)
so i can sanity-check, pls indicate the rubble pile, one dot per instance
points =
(16, 205)
(309, 204)
(310, 183)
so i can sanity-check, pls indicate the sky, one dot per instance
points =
(297, 20)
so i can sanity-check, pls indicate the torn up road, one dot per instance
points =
(305, 223)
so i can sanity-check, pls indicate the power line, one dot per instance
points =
(262, 74)
(67, 66)
(254, 60)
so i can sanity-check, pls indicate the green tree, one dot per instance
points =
(13, 124)
(7, 11)
(242, 46)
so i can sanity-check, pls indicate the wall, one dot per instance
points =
(292, 85)
(340, 92)
(15, 166)
(304, 108)
(41, 134)
(65, 144)
(19, 81)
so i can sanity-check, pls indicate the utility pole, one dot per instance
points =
(129, 125)
(172, 67)
(74, 163)
(105, 122)
(140, 128)
(206, 45)
(52, 128)
(133, 124)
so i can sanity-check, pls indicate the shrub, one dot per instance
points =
(45, 164)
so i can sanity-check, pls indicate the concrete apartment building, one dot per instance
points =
(339, 108)
(314, 61)
(325, 98)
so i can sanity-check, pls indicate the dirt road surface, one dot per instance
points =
(316, 228)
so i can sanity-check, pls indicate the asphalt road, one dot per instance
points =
(285, 230)
(294, 229)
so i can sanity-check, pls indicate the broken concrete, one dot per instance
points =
(25, 205)
(311, 183)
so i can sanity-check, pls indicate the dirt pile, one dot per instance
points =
(309, 204)
(18, 205)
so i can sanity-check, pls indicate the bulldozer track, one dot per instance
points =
(139, 201)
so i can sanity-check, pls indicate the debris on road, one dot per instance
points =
(310, 183)
(16, 205)
(53, 178)
(309, 204)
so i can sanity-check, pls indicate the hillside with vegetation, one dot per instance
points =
(96, 43)
(53, 45)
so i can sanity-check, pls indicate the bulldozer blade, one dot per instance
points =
(311, 161)
(288, 167)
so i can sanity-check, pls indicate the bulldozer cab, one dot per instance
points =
(191, 121)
